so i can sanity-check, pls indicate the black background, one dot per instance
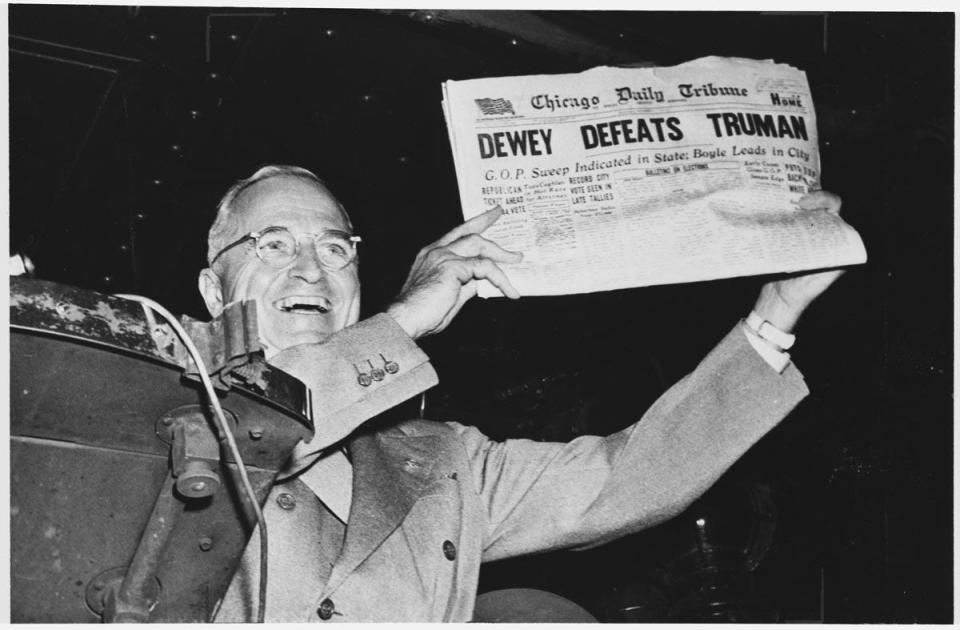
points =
(127, 124)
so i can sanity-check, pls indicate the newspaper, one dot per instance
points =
(626, 177)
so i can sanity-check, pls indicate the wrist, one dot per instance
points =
(771, 307)
(400, 314)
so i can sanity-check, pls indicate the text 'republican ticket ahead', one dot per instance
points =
(627, 177)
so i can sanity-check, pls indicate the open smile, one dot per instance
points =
(304, 305)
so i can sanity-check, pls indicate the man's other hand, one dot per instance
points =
(445, 273)
(782, 301)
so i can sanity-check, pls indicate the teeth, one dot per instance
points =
(303, 304)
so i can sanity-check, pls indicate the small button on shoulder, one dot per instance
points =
(326, 608)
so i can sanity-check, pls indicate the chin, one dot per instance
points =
(278, 343)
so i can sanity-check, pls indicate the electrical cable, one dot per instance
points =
(225, 429)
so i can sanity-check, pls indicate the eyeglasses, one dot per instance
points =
(278, 247)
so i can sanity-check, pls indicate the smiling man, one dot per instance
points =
(303, 293)
(392, 525)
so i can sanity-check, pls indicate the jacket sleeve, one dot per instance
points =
(354, 375)
(540, 496)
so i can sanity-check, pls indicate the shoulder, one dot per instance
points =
(417, 428)
(450, 431)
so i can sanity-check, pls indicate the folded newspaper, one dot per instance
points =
(626, 177)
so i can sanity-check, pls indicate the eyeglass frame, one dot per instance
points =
(257, 234)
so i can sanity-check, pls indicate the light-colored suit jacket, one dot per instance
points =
(431, 501)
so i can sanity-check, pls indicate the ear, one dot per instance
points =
(212, 292)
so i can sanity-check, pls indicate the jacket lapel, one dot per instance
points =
(390, 472)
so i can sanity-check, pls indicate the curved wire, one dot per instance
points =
(227, 432)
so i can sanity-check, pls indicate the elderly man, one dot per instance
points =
(393, 525)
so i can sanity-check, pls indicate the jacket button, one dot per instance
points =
(286, 500)
(449, 550)
(391, 367)
(325, 611)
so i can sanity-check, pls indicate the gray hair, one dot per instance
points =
(219, 233)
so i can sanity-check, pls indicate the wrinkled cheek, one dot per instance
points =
(242, 286)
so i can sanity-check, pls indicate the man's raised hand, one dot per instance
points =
(445, 273)
(782, 301)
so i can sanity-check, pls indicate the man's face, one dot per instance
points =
(304, 301)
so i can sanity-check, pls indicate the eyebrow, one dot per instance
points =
(324, 231)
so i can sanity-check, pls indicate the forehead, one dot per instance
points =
(290, 201)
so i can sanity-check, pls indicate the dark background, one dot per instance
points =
(127, 124)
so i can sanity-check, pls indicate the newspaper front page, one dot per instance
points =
(627, 177)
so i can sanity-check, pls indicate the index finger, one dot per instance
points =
(476, 225)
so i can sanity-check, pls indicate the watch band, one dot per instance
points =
(768, 332)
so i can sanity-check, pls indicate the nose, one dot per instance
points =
(307, 265)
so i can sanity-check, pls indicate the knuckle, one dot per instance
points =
(465, 242)
(438, 255)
